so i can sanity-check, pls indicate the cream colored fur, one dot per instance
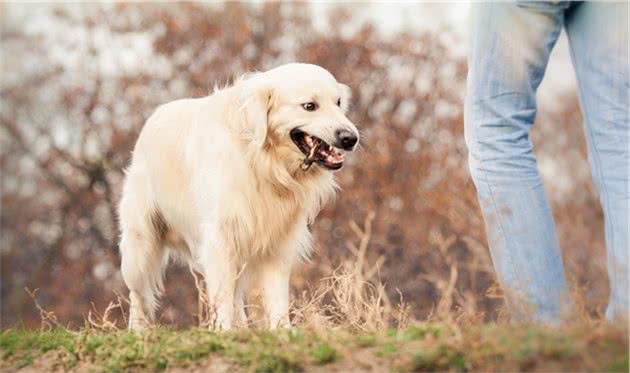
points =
(217, 181)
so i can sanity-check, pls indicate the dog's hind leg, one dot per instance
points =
(142, 262)
(142, 252)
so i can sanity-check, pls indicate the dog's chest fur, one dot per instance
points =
(266, 218)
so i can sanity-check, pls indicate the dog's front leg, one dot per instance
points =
(274, 275)
(220, 275)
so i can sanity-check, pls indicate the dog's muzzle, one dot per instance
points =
(318, 151)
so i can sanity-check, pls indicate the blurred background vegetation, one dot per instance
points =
(78, 82)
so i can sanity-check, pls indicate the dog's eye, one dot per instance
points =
(310, 106)
(339, 102)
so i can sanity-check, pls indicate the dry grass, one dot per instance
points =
(48, 319)
(353, 297)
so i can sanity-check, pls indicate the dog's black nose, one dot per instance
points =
(346, 139)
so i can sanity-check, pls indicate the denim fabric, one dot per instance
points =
(509, 49)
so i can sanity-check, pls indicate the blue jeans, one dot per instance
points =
(509, 48)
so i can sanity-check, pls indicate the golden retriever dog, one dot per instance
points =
(230, 183)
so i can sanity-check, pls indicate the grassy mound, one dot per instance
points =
(423, 347)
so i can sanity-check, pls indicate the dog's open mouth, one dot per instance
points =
(317, 150)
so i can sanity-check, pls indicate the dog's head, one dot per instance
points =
(301, 109)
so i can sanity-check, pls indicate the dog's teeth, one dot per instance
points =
(335, 157)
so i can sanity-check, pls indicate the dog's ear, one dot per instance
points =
(255, 103)
(345, 93)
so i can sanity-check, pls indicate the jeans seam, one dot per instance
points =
(604, 197)
(502, 229)
(602, 185)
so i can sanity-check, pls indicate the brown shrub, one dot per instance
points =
(68, 126)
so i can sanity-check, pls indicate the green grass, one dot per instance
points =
(423, 347)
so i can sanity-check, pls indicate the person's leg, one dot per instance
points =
(598, 37)
(509, 48)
